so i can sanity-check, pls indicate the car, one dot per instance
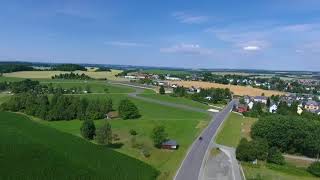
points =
(200, 138)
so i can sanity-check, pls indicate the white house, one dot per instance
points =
(273, 108)
(299, 110)
(261, 99)
(172, 78)
(250, 105)
(208, 98)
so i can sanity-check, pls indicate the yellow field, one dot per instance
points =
(237, 90)
(49, 74)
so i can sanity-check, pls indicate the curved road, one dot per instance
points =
(191, 167)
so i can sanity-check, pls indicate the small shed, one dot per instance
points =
(112, 115)
(170, 144)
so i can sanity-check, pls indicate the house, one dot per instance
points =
(112, 115)
(241, 108)
(273, 108)
(311, 105)
(208, 98)
(170, 144)
(130, 77)
(299, 110)
(250, 105)
(247, 99)
(172, 78)
(261, 99)
(317, 112)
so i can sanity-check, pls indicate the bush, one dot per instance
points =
(128, 110)
(275, 156)
(104, 134)
(88, 129)
(133, 132)
(162, 90)
(314, 168)
(251, 150)
(146, 152)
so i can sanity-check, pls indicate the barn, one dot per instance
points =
(170, 144)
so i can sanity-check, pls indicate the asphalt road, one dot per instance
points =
(191, 165)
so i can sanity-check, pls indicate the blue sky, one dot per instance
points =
(251, 34)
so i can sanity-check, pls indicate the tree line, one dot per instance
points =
(60, 107)
(8, 68)
(68, 67)
(72, 76)
(217, 95)
(31, 86)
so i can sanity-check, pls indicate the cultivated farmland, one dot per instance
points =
(237, 90)
(33, 151)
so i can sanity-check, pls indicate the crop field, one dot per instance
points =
(237, 90)
(49, 74)
(164, 72)
(233, 129)
(30, 150)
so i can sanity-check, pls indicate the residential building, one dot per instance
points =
(261, 99)
(311, 105)
(273, 108)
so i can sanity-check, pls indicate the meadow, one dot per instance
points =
(181, 125)
(30, 150)
(233, 129)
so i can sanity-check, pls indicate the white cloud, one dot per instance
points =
(190, 19)
(183, 48)
(251, 48)
(125, 44)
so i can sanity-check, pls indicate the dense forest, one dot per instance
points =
(72, 76)
(68, 67)
(8, 68)
(291, 134)
(60, 107)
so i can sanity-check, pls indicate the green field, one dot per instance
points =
(95, 86)
(181, 125)
(29, 150)
(233, 129)
(4, 97)
(271, 172)
(177, 100)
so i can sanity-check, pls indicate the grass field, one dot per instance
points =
(95, 86)
(49, 74)
(165, 72)
(4, 97)
(271, 172)
(181, 125)
(29, 150)
(177, 100)
(237, 90)
(233, 129)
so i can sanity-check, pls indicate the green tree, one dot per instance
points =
(88, 129)
(128, 110)
(275, 156)
(162, 90)
(314, 168)
(268, 102)
(159, 135)
(104, 134)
